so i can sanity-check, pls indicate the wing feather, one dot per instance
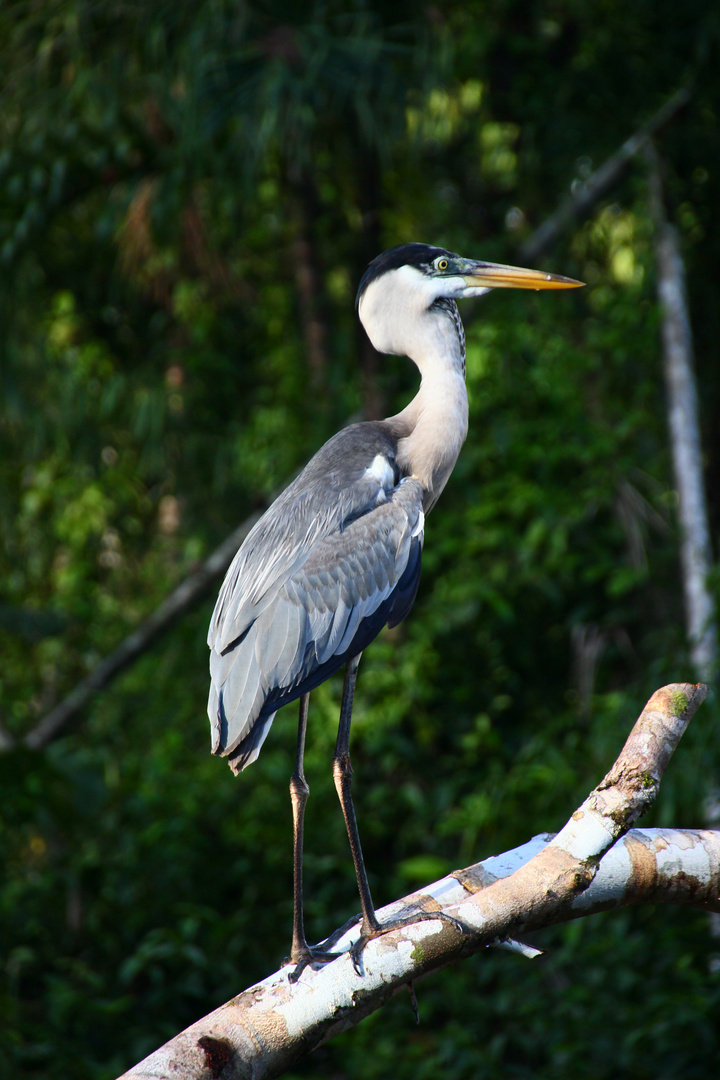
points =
(294, 644)
(273, 632)
(317, 578)
(335, 633)
(332, 490)
(238, 689)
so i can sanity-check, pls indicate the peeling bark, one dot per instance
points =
(591, 865)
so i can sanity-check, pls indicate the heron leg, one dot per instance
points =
(299, 792)
(302, 954)
(342, 775)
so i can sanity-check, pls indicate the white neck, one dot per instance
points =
(437, 419)
(399, 318)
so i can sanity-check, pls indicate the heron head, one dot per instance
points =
(402, 284)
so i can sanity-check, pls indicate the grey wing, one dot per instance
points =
(350, 577)
(277, 545)
(347, 588)
(331, 490)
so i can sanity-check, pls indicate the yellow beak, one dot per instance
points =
(496, 276)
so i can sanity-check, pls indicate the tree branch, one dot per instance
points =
(601, 181)
(180, 600)
(267, 1028)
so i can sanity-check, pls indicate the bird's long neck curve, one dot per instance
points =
(434, 425)
(403, 318)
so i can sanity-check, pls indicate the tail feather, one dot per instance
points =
(248, 748)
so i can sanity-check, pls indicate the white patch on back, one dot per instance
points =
(382, 471)
(419, 528)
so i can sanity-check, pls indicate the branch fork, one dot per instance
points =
(592, 864)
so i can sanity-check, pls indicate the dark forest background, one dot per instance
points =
(189, 194)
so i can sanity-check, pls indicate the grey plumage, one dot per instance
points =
(315, 570)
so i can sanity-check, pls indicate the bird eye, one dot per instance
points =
(442, 264)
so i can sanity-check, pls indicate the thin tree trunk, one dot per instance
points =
(308, 282)
(369, 200)
(684, 423)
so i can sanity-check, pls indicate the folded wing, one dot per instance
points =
(317, 584)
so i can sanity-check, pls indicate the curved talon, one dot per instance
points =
(314, 956)
(320, 953)
(397, 924)
(459, 926)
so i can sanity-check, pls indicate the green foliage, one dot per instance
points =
(187, 192)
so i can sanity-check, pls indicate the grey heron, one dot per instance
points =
(337, 556)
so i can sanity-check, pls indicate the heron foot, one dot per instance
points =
(310, 956)
(369, 933)
(304, 955)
